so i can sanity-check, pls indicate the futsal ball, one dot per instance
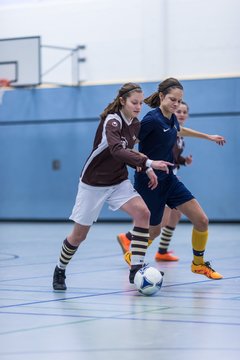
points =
(148, 280)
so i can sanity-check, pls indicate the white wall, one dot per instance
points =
(203, 37)
(137, 40)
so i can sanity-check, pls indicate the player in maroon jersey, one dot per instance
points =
(104, 178)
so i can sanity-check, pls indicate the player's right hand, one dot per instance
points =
(161, 165)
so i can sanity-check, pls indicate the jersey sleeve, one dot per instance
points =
(118, 146)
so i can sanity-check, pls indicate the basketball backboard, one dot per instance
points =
(20, 60)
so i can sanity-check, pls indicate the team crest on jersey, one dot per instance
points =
(114, 123)
(134, 137)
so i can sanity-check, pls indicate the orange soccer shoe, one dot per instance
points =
(168, 256)
(207, 270)
(124, 242)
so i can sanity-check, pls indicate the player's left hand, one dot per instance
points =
(218, 139)
(153, 182)
(188, 160)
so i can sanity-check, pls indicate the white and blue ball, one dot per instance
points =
(148, 280)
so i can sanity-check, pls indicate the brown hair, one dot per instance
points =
(124, 92)
(184, 103)
(164, 87)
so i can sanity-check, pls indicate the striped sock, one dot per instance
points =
(199, 241)
(139, 245)
(165, 238)
(129, 236)
(67, 253)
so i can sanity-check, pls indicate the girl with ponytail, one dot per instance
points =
(158, 135)
(104, 178)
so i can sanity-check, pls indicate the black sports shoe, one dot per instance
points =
(134, 269)
(59, 279)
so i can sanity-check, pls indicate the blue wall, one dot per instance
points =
(40, 126)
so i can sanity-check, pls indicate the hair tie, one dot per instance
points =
(127, 91)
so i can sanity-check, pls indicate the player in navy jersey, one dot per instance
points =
(171, 217)
(104, 178)
(157, 137)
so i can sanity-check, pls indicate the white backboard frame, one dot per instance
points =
(20, 60)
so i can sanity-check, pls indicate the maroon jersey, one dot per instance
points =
(177, 152)
(112, 152)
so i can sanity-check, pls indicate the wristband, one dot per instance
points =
(149, 163)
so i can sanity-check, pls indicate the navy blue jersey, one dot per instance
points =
(157, 136)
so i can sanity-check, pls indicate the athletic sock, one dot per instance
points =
(129, 236)
(199, 241)
(139, 245)
(67, 253)
(165, 238)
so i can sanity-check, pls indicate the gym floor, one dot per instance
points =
(101, 316)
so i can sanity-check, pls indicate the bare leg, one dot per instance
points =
(154, 231)
(174, 218)
(195, 214)
(78, 234)
(138, 210)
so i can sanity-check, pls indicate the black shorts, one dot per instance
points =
(169, 191)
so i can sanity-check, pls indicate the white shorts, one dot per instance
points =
(90, 200)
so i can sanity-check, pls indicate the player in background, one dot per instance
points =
(104, 178)
(157, 137)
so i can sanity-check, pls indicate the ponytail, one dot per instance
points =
(153, 100)
(164, 87)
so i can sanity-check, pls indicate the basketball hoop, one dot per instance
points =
(4, 83)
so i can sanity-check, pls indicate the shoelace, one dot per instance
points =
(208, 265)
(145, 266)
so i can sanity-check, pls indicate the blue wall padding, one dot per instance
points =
(43, 128)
